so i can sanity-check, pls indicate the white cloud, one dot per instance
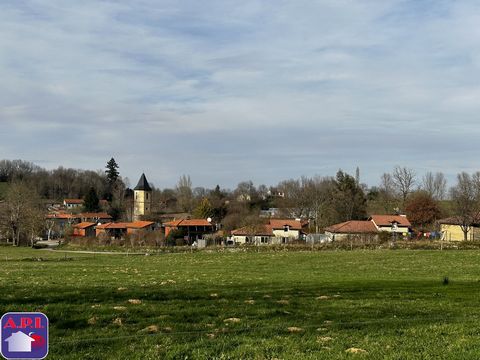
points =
(143, 79)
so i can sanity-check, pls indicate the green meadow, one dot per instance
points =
(377, 304)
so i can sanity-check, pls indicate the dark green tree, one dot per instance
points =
(91, 202)
(349, 199)
(112, 171)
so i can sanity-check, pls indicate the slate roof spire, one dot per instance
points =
(143, 184)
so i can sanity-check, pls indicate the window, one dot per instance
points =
(147, 195)
(286, 228)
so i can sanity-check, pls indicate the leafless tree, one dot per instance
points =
(466, 201)
(23, 217)
(404, 180)
(184, 193)
(435, 185)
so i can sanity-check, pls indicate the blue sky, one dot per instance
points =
(227, 91)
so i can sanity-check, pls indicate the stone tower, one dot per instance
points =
(142, 198)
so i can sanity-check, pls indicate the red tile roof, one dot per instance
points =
(265, 230)
(84, 225)
(386, 220)
(188, 222)
(60, 216)
(73, 201)
(280, 224)
(353, 227)
(139, 224)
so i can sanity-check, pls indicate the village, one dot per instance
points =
(248, 216)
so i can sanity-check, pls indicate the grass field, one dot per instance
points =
(391, 304)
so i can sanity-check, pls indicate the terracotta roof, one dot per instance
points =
(187, 222)
(280, 224)
(139, 224)
(61, 216)
(353, 227)
(103, 226)
(73, 201)
(120, 225)
(84, 225)
(265, 230)
(386, 220)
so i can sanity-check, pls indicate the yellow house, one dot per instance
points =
(451, 230)
(142, 201)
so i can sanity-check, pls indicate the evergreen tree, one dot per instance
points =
(112, 172)
(91, 202)
(348, 198)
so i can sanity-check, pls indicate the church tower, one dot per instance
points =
(142, 198)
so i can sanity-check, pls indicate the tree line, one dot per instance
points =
(323, 200)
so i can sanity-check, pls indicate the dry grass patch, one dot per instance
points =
(354, 350)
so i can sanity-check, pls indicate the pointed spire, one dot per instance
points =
(143, 184)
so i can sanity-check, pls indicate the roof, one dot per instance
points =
(61, 216)
(103, 226)
(187, 222)
(73, 201)
(353, 227)
(456, 220)
(100, 215)
(126, 225)
(139, 224)
(143, 184)
(84, 225)
(386, 220)
(281, 223)
(265, 230)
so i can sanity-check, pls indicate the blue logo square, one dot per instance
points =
(24, 335)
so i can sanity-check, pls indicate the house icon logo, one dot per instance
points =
(24, 335)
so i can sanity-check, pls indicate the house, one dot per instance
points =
(397, 224)
(451, 229)
(392, 223)
(19, 342)
(119, 230)
(59, 220)
(191, 229)
(72, 203)
(351, 229)
(262, 234)
(84, 229)
(274, 231)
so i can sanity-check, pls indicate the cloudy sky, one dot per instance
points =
(227, 91)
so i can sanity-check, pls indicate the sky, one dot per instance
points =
(228, 91)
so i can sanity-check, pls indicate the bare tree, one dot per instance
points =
(435, 185)
(404, 180)
(465, 199)
(23, 218)
(185, 193)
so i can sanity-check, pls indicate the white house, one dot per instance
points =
(392, 223)
(19, 342)
(275, 231)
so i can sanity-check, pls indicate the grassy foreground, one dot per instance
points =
(385, 304)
